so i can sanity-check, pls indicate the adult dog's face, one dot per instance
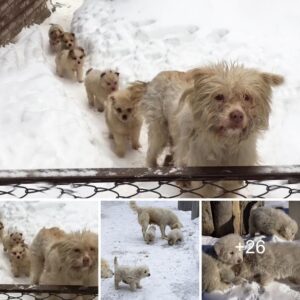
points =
(232, 101)
(79, 251)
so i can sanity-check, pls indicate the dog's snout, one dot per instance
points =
(236, 116)
(239, 261)
(124, 117)
(149, 274)
(86, 261)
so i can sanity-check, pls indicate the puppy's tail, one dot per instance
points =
(137, 90)
(115, 263)
(88, 71)
(134, 207)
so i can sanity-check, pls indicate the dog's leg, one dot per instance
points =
(79, 73)
(59, 70)
(162, 230)
(90, 98)
(132, 286)
(120, 141)
(138, 285)
(98, 104)
(117, 281)
(158, 137)
(135, 136)
(36, 269)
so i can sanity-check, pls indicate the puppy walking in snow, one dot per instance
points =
(162, 217)
(130, 275)
(150, 234)
(69, 63)
(20, 260)
(106, 272)
(99, 84)
(271, 221)
(174, 236)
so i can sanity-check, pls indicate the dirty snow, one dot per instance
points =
(174, 270)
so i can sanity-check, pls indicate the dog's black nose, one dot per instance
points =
(148, 274)
(236, 116)
(124, 117)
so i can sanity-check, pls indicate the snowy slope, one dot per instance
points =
(174, 270)
(46, 121)
(30, 217)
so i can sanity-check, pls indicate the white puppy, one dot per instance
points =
(150, 234)
(174, 236)
(130, 275)
(69, 63)
(271, 221)
(106, 272)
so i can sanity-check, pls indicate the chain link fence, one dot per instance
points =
(45, 292)
(166, 182)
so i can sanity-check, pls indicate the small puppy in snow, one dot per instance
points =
(99, 84)
(217, 271)
(12, 239)
(1, 231)
(174, 236)
(68, 41)
(20, 260)
(150, 234)
(55, 37)
(106, 272)
(69, 63)
(123, 119)
(162, 217)
(271, 221)
(130, 275)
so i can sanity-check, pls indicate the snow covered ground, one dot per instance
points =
(29, 217)
(252, 291)
(174, 270)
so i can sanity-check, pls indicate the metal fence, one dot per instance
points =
(45, 292)
(166, 182)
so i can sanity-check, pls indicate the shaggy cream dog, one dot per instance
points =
(123, 120)
(278, 261)
(150, 234)
(211, 116)
(55, 36)
(19, 260)
(69, 63)
(106, 272)
(162, 217)
(217, 271)
(11, 239)
(174, 236)
(99, 84)
(271, 221)
(130, 275)
(65, 259)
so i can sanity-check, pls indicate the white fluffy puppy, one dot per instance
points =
(278, 261)
(130, 275)
(216, 266)
(271, 221)
(99, 84)
(69, 63)
(174, 236)
(162, 217)
(150, 234)
(106, 272)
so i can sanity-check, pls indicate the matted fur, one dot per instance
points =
(216, 266)
(99, 84)
(130, 275)
(106, 272)
(174, 236)
(278, 261)
(211, 116)
(19, 260)
(123, 120)
(69, 63)
(162, 217)
(271, 221)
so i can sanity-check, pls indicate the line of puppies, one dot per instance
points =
(146, 216)
(226, 263)
(54, 256)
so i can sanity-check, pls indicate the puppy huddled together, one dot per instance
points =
(54, 257)
(148, 218)
(226, 263)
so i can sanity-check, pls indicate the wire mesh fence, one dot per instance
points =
(166, 182)
(45, 292)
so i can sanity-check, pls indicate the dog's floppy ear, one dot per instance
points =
(73, 34)
(218, 247)
(102, 74)
(272, 79)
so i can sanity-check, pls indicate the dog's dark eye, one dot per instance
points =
(119, 110)
(247, 97)
(74, 58)
(81, 57)
(145, 272)
(129, 109)
(77, 250)
(108, 83)
(220, 97)
(231, 253)
(92, 249)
